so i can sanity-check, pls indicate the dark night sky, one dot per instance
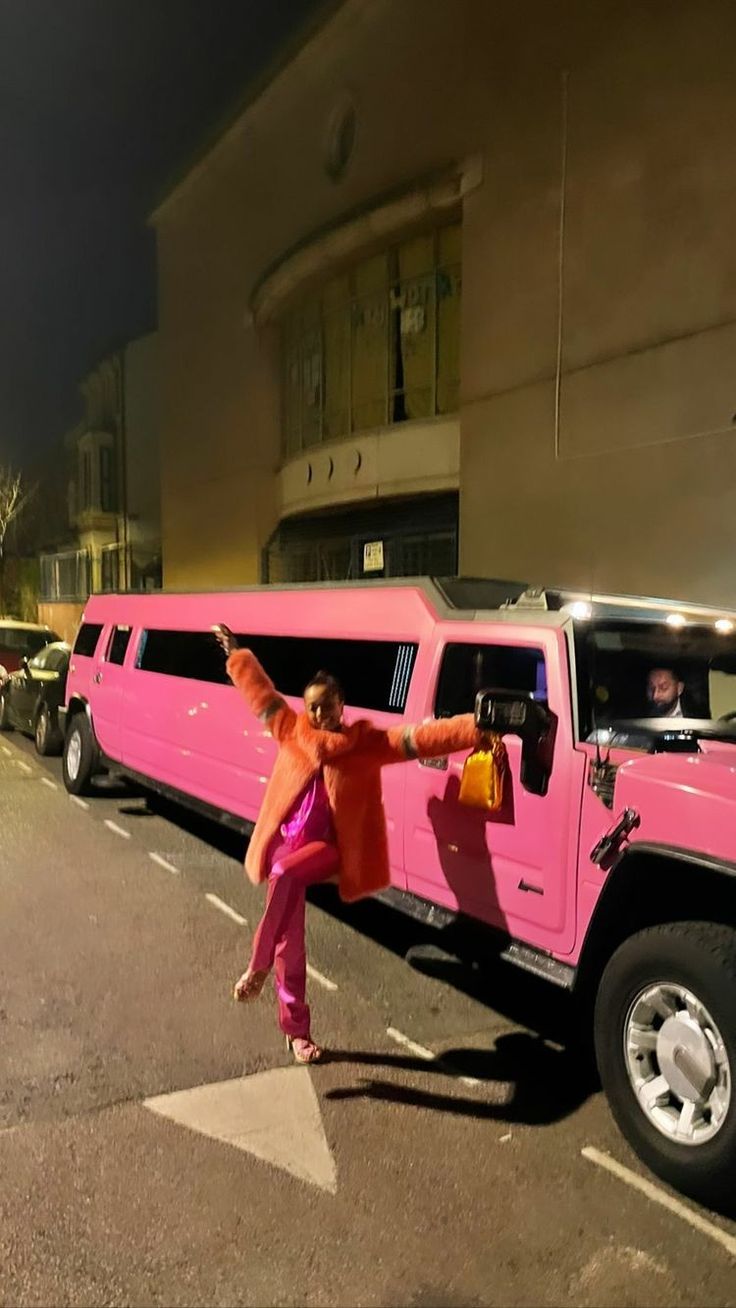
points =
(101, 102)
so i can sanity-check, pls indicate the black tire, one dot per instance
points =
(46, 734)
(5, 723)
(81, 755)
(701, 957)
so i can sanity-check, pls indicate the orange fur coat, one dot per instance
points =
(351, 760)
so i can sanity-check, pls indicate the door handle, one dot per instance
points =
(97, 678)
(441, 764)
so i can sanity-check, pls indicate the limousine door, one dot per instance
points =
(513, 869)
(106, 691)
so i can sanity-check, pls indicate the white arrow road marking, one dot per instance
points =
(273, 1115)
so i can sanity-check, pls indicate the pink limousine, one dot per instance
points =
(612, 861)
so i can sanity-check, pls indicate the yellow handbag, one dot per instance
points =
(481, 785)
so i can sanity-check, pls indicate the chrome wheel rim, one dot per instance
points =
(677, 1063)
(74, 755)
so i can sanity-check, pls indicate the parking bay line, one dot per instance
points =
(26, 767)
(320, 978)
(119, 831)
(661, 1197)
(46, 781)
(226, 909)
(427, 1054)
(163, 863)
(81, 803)
(7, 751)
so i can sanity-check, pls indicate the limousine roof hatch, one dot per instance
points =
(479, 593)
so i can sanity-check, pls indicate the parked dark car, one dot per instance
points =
(32, 699)
(19, 640)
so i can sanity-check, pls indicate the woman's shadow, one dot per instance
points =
(539, 1083)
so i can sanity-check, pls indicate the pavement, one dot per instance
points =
(157, 1145)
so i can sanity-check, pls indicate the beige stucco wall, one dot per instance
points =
(633, 486)
(620, 472)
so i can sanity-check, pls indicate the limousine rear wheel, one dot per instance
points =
(665, 1034)
(81, 755)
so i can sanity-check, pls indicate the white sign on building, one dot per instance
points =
(373, 556)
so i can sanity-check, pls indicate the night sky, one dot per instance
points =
(102, 102)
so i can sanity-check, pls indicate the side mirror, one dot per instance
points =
(511, 713)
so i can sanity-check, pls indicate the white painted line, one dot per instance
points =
(6, 750)
(119, 831)
(653, 1192)
(226, 909)
(320, 978)
(162, 862)
(82, 803)
(422, 1052)
(46, 781)
(25, 766)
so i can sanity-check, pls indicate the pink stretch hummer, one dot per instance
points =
(611, 866)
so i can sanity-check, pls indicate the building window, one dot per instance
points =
(107, 479)
(377, 345)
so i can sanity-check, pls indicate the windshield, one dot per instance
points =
(633, 670)
(24, 640)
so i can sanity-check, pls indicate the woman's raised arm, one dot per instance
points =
(255, 685)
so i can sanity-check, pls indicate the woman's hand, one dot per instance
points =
(225, 637)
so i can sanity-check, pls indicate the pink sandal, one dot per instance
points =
(304, 1049)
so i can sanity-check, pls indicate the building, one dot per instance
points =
(112, 458)
(458, 286)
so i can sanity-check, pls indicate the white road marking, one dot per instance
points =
(26, 767)
(422, 1052)
(226, 909)
(162, 862)
(272, 1115)
(320, 978)
(119, 831)
(46, 781)
(6, 750)
(82, 803)
(653, 1192)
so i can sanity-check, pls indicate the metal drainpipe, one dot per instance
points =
(124, 471)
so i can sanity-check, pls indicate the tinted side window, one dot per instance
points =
(375, 674)
(466, 669)
(87, 638)
(119, 641)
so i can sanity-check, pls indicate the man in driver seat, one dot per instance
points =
(664, 693)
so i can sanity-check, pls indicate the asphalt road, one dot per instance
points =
(158, 1147)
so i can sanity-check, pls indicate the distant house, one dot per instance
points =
(112, 459)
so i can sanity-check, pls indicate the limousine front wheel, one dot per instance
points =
(80, 755)
(666, 1047)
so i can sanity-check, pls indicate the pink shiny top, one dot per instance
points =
(310, 819)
